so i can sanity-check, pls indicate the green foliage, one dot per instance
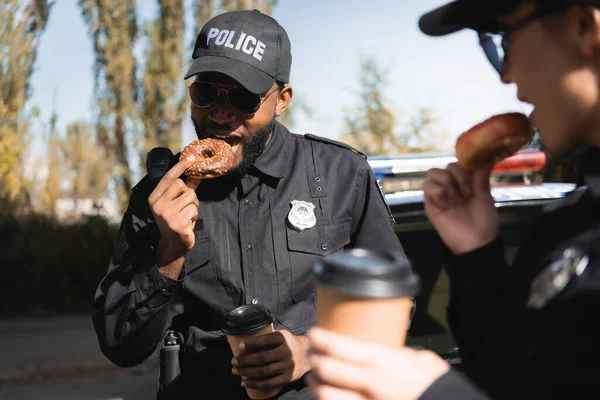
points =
(113, 28)
(49, 267)
(83, 163)
(265, 6)
(21, 25)
(372, 126)
(50, 190)
(164, 99)
(204, 10)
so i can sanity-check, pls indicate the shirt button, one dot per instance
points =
(324, 246)
(254, 301)
(250, 246)
(163, 292)
(248, 201)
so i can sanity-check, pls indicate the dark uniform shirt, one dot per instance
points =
(453, 385)
(246, 251)
(534, 341)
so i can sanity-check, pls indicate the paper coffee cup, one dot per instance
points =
(366, 295)
(245, 322)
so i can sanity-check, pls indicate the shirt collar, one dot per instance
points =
(273, 160)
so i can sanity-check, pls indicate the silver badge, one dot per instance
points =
(555, 277)
(302, 215)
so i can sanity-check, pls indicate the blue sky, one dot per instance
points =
(450, 74)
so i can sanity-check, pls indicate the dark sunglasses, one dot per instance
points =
(204, 94)
(495, 45)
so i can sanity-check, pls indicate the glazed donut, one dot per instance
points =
(493, 140)
(213, 158)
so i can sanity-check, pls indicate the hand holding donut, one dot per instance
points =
(174, 205)
(460, 206)
(458, 201)
(213, 158)
(493, 140)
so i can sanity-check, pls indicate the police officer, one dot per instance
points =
(254, 233)
(529, 330)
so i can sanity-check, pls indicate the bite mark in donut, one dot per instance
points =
(493, 140)
(213, 158)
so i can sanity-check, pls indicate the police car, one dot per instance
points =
(519, 194)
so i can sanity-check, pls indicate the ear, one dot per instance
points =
(588, 23)
(283, 99)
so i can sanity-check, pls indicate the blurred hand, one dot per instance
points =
(174, 205)
(272, 360)
(460, 206)
(344, 368)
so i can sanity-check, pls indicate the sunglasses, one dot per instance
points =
(204, 94)
(495, 45)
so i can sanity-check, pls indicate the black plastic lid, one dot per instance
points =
(368, 274)
(246, 320)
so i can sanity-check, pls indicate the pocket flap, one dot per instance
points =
(312, 241)
(200, 254)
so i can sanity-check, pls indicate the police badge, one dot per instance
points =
(302, 215)
(553, 279)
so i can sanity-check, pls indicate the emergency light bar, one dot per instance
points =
(528, 160)
(524, 161)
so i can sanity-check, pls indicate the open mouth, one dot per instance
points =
(227, 136)
(230, 140)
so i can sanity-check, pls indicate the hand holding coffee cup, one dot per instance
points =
(366, 295)
(245, 322)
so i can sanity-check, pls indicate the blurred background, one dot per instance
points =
(87, 87)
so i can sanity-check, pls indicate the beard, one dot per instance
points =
(252, 148)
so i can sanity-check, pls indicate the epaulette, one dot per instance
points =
(343, 145)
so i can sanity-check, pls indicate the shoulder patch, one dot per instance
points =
(343, 145)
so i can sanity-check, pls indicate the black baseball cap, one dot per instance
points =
(480, 15)
(246, 45)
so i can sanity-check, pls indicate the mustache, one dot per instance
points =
(202, 131)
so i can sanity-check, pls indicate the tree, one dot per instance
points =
(423, 133)
(21, 26)
(164, 98)
(372, 126)
(75, 167)
(203, 12)
(113, 28)
(51, 178)
(86, 169)
(264, 6)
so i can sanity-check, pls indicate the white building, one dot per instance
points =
(71, 209)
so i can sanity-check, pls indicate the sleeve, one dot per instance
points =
(372, 222)
(478, 287)
(131, 304)
(453, 385)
